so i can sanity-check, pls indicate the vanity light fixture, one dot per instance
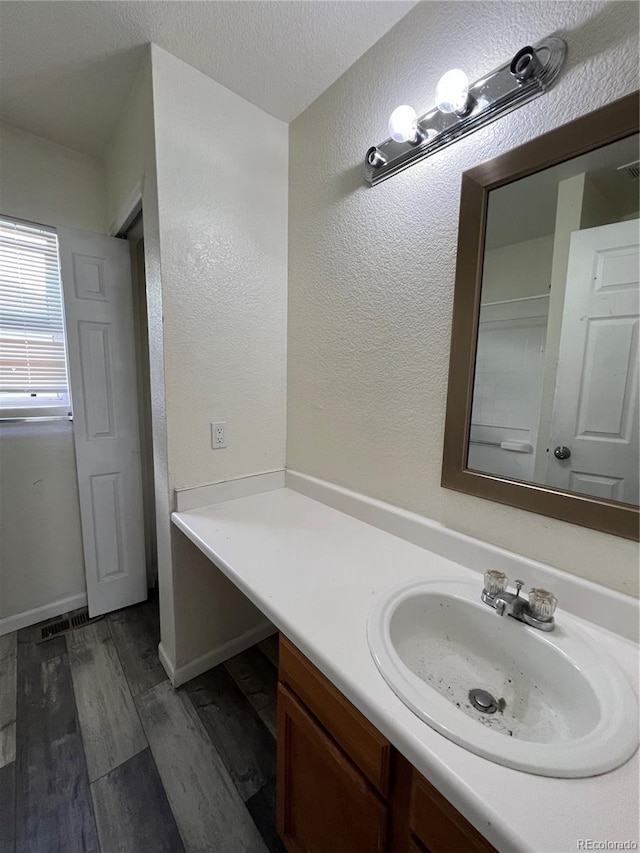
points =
(462, 108)
(452, 93)
(403, 125)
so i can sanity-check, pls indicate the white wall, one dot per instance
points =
(371, 270)
(217, 312)
(222, 203)
(222, 192)
(41, 560)
(507, 386)
(130, 154)
(511, 339)
(517, 270)
(46, 183)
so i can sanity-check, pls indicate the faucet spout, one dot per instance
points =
(507, 603)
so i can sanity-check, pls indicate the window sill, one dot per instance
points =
(34, 415)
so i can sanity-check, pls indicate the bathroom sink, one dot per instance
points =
(552, 704)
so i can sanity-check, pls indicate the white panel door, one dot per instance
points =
(96, 277)
(595, 410)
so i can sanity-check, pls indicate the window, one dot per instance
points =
(33, 362)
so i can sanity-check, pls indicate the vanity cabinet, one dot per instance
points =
(342, 787)
(435, 823)
(326, 804)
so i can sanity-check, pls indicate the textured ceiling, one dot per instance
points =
(66, 67)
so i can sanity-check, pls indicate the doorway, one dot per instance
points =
(134, 234)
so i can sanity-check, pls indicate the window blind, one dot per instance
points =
(33, 364)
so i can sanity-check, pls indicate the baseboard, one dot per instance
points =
(228, 490)
(165, 660)
(42, 613)
(179, 675)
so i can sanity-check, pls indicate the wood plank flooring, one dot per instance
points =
(53, 805)
(208, 808)
(136, 634)
(7, 807)
(134, 792)
(8, 662)
(111, 729)
(99, 753)
(245, 745)
(253, 673)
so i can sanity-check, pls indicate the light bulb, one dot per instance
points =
(452, 92)
(403, 124)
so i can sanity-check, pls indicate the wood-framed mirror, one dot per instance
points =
(542, 407)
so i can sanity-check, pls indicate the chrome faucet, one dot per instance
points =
(537, 611)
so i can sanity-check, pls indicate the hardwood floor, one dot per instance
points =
(134, 793)
(7, 807)
(8, 654)
(52, 799)
(99, 753)
(110, 726)
(245, 745)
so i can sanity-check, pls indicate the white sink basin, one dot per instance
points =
(564, 707)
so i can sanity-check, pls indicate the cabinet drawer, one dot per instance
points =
(438, 825)
(324, 804)
(360, 740)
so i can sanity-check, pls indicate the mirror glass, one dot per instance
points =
(556, 378)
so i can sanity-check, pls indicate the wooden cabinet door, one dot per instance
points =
(438, 825)
(353, 733)
(324, 803)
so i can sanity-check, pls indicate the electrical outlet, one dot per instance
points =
(218, 435)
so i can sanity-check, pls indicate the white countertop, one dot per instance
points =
(314, 572)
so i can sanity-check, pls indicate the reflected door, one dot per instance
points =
(596, 398)
(96, 276)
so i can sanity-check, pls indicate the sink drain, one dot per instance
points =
(483, 701)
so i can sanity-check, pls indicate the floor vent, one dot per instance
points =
(53, 629)
(79, 617)
(65, 623)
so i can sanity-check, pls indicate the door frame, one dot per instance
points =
(133, 233)
(144, 197)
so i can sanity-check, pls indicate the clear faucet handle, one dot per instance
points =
(495, 582)
(542, 604)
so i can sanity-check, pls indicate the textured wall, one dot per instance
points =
(41, 558)
(215, 226)
(222, 196)
(222, 213)
(371, 271)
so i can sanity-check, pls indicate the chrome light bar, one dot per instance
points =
(529, 74)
